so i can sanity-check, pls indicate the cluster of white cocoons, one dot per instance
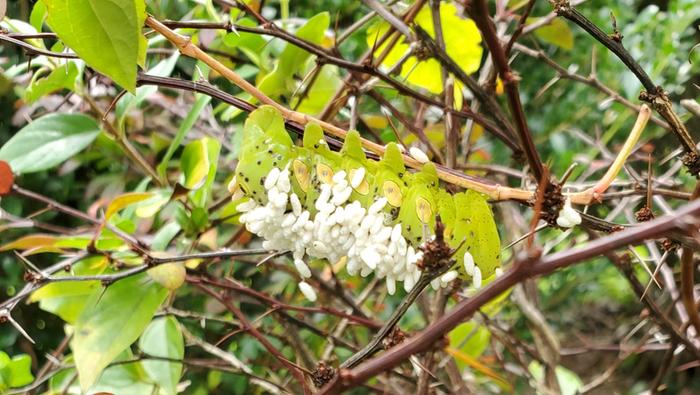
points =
(339, 230)
(568, 217)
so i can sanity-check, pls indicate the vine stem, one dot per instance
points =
(493, 190)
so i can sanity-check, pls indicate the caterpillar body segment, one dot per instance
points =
(359, 169)
(317, 176)
(420, 205)
(475, 229)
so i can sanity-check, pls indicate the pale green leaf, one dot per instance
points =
(195, 164)
(163, 338)
(38, 15)
(326, 84)
(293, 58)
(62, 77)
(106, 34)
(185, 126)
(112, 320)
(48, 141)
(68, 299)
(213, 148)
(557, 32)
(15, 372)
(569, 382)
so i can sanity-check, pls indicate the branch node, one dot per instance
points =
(552, 203)
(322, 374)
(396, 337)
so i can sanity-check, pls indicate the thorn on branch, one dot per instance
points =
(616, 35)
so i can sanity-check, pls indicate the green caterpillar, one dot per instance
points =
(413, 200)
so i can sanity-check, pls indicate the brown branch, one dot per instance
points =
(293, 368)
(523, 268)
(654, 94)
(274, 303)
(688, 287)
(479, 12)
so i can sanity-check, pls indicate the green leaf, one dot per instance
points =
(470, 338)
(327, 83)
(293, 58)
(162, 69)
(112, 320)
(197, 160)
(463, 45)
(213, 147)
(37, 240)
(38, 15)
(557, 32)
(165, 236)
(163, 338)
(185, 126)
(48, 141)
(195, 164)
(68, 299)
(569, 382)
(105, 34)
(62, 77)
(15, 372)
(250, 44)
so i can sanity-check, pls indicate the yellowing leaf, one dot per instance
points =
(195, 164)
(463, 45)
(150, 207)
(124, 200)
(31, 241)
(169, 275)
(375, 121)
(478, 366)
(557, 32)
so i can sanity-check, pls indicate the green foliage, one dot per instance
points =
(48, 141)
(68, 299)
(557, 32)
(15, 372)
(163, 338)
(113, 319)
(292, 58)
(106, 34)
(62, 77)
